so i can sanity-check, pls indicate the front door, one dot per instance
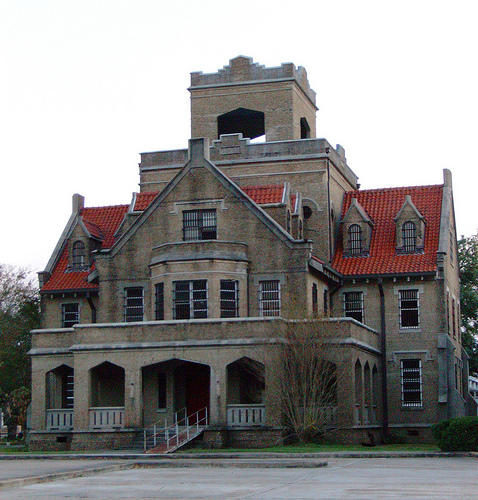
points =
(197, 390)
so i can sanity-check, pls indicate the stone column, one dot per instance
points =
(218, 395)
(82, 391)
(38, 418)
(133, 398)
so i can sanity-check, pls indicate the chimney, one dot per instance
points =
(198, 150)
(78, 203)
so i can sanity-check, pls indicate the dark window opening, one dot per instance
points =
(409, 237)
(229, 299)
(133, 304)
(199, 225)
(353, 305)
(326, 301)
(159, 304)
(288, 222)
(411, 379)
(307, 212)
(246, 121)
(70, 314)
(315, 300)
(79, 255)
(355, 239)
(409, 309)
(190, 299)
(162, 391)
(304, 129)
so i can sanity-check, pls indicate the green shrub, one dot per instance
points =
(457, 434)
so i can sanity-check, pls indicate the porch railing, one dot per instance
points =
(246, 415)
(59, 419)
(106, 418)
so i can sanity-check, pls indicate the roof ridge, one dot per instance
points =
(395, 188)
(105, 206)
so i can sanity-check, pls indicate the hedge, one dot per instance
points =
(457, 434)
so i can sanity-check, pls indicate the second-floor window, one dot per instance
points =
(159, 301)
(269, 298)
(78, 260)
(411, 381)
(353, 305)
(409, 309)
(315, 300)
(409, 237)
(190, 299)
(355, 239)
(199, 225)
(133, 304)
(229, 299)
(70, 314)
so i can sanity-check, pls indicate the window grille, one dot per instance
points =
(229, 299)
(159, 301)
(409, 237)
(69, 386)
(409, 309)
(269, 298)
(353, 305)
(355, 239)
(162, 391)
(315, 300)
(199, 225)
(411, 381)
(79, 255)
(133, 304)
(190, 299)
(70, 314)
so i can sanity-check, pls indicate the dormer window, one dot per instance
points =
(79, 255)
(409, 237)
(199, 225)
(355, 239)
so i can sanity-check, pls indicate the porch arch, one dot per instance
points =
(358, 392)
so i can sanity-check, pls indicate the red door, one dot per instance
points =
(197, 390)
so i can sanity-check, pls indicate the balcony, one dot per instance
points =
(106, 418)
(246, 415)
(59, 419)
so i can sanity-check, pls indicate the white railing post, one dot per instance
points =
(206, 414)
(154, 434)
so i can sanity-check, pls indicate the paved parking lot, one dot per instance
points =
(436, 478)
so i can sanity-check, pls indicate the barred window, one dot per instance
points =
(229, 299)
(355, 239)
(79, 255)
(133, 304)
(315, 300)
(409, 309)
(353, 305)
(199, 225)
(409, 236)
(411, 380)
(70, 314)
(190, 299)
(269, 298)
(159, 301)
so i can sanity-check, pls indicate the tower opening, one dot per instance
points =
(246, 121)
(304, 129)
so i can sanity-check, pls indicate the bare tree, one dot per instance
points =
(308, 380)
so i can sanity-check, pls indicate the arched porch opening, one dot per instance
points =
(358, 416)
(174, 389)
(245, 393)
(107, 391)
(367, 394)
(60, 398)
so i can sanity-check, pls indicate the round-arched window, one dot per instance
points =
(79, 255)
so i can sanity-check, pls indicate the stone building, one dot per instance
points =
(176, 304)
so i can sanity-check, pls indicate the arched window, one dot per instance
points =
(409, 236)
(355, 239)
(288, 221)
(78, 260)
(301, 230)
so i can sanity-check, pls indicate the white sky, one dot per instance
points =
(85, 86)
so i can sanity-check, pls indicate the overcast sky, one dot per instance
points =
(87, 85)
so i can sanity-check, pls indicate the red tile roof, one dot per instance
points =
(382, 205)
(270, 193)
(143, 200)
(61, 279)
(102, 223)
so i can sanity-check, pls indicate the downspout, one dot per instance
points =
(383, 344)
(93, 309)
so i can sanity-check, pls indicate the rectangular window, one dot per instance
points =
(133, 304)
(229, 299)
(190, 299)
(199, 225)
(326, 301)
(269, 298)
(159, 301)
(409, 309)
(353, 305)
(411, 380)
(448, 312)
(315, 300)
(453, 317)
(70, 314)
(162, 391)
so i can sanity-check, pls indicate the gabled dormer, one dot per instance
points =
(356, 231)
(409, 228)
